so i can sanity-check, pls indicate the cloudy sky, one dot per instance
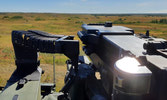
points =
(84, 6)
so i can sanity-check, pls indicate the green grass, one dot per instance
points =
(66, 24)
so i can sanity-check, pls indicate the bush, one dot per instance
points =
(5, 17)
(17, 17)
(120, 19)
(155, 21)
(39, 19)
(138, 22)
(161, 21)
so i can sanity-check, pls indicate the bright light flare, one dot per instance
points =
(130, 65)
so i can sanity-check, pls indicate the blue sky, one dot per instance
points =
(84, 6)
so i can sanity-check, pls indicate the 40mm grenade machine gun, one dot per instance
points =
(131, 67)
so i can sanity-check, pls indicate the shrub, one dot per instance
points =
(138, 22)
(120, 19)
(155, 21)
(39, 19)
(17, 17)
(161, 21)
(5, 17)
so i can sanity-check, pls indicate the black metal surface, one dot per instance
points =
(47, 88)
(106, 28)
(105, 45)
(28, 43)
(86, 86)
(40, 41)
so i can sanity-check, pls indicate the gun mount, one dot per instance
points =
(131, 66)
(25, 81)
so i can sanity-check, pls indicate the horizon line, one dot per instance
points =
(90, 13)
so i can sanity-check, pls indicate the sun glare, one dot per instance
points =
(128, 64)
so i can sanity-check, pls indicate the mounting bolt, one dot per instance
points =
(147, 33)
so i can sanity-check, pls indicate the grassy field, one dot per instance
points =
(67, 24)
